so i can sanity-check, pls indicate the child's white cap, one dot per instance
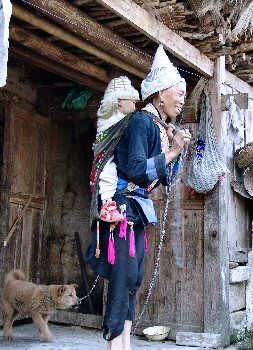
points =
(121, 88)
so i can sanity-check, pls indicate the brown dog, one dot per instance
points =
(38, 301)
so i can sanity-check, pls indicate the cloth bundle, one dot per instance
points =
(208, 163)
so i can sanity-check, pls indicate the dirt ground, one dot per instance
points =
(25, 337)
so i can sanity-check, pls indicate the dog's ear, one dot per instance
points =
(74, 285)
(61, 290)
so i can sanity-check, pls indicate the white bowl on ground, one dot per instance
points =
(156, 333)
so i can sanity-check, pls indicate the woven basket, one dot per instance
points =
(248, 180)
(244, 156)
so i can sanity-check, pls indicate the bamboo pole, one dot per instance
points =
(44, 63)
(57, 54)
(62, 34)
(69, 16)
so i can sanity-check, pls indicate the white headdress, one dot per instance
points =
(163, 75)
(118, 88)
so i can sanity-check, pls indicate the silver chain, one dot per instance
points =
(163, 231)
(91, 290)
(155, 274)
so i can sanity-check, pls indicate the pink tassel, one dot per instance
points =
(132, 251)
(111, 251)
(146, 240)
(111, 246)
(123, 228)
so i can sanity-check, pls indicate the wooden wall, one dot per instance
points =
(239, 220)
(239, 210)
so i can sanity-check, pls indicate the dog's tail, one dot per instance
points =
(15, 274)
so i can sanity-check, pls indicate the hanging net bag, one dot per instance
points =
(208, 163)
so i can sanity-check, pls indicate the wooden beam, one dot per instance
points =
(40, 61)
(244, 47)
(69, 16)
(80, 2)
(57, 54)
(157, 31)
(62, 34)
(238, 84)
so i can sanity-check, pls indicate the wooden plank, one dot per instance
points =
(205, 340)
(72, 39)
(18, 219)
(77, 319)
(30, 116)
(70, 17)
(216, 260)
(157, 31)
(37, 60)
(57, 54)
(36, 253)
(21, 199)
(238, 84)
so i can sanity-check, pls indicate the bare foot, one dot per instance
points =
(8, 337)
(47, 337)
(116, 343)
(126, 335)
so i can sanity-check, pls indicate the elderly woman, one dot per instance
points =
(144, 159)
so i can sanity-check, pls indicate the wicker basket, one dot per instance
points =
(244, 156)
(248, 180)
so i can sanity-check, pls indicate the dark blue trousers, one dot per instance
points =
(125, 277)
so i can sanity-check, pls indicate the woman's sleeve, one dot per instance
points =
(140, 136)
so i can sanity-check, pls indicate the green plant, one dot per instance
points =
(245, 339)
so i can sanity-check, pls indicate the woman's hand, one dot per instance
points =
(179, 141)
(170, 130)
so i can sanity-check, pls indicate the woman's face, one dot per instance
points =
(126, 106)
(173, 100)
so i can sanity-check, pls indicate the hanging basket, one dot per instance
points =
(208, 164)
(248, 180)
(244, 156)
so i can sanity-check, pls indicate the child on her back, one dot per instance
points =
(118, 101)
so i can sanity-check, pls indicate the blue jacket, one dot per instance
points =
(138, 154)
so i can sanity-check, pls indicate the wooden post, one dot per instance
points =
(62, 34)
(57, 54)
(216, 254)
